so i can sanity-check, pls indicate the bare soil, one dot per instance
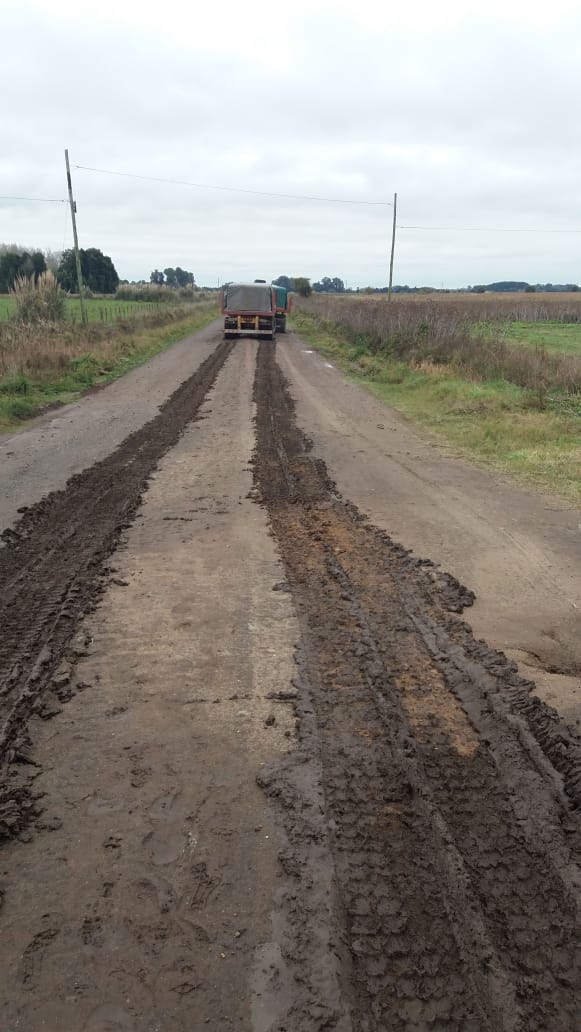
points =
(257, 771)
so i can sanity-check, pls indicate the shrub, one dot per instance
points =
(153, 292)
(38, 301)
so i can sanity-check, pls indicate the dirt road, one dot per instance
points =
(518, 549)
(70, 439)
(257, 773)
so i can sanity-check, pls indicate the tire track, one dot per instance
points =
(52, 572)
(451, 802)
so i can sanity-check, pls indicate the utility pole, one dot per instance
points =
(76, 242)
(392, 247)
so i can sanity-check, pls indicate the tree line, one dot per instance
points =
(518, 286)
(99, 273)
(335, 285)
(172, 277)
(302, 285)
(15, 263)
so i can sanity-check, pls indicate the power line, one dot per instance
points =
(42, 200)
(486, 229)
(231, 189)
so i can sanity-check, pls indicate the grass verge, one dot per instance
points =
(24, 394)
(494, 421)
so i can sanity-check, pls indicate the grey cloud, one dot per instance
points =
(473, 124)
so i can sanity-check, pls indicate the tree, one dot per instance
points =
(9, 270)
(19, 263)
(172, 277)
(67, 272)
(178, 277)
(99, 273)
(329, 286)
(184, 278)
(284, 281)
(303, 286)
(38, 264)
(53, 259)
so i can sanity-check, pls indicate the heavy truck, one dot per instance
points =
(284, 303)
(249, 310)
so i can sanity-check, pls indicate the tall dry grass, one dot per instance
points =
(43, 350)
(160, 293)
(39, 300)
(454, 332)
(496, 307)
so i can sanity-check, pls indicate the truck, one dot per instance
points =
(284, 302)
(249, 310)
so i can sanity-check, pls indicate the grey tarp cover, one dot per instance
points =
(248, 297)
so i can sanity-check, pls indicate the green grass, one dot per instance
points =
(22, 397)
(98, 309)
(495, 422)
(560, 337)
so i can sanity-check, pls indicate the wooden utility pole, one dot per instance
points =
(392, 247)
(76, 242)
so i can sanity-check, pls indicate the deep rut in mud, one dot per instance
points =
(52, 567)
(440, 796)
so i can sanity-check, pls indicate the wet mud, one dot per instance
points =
(54, 566)
(431, 807)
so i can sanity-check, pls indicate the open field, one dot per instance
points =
(552, 320)
(515, 307)
(559, 337)
(98, 309)
(257, 771)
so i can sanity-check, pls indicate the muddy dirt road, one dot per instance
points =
(257, 772)
(70, 439)
(518, 549)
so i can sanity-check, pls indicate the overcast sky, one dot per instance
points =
(472, 117)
